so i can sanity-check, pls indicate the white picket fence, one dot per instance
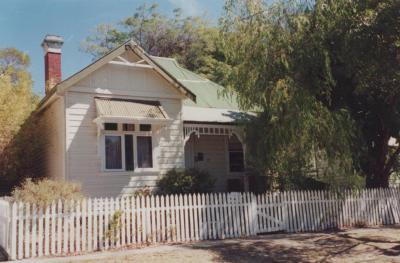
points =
(73, 227)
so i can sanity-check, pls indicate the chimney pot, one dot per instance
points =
(52, 60)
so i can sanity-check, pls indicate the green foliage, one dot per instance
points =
(325, 77)
(113, 226)
(143, 192)
(189, 39)
(45, 191)
(17, 101)
(186, 181)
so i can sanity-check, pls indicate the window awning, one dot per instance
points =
(130, 111)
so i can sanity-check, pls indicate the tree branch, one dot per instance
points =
(391, 160)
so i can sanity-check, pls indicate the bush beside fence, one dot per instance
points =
(71, 227)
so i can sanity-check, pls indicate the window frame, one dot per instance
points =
(121, 133)
(228, 168)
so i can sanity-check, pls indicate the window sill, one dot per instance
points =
(137, 172)
(236, 173)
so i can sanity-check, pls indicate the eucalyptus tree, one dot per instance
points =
(191, 40)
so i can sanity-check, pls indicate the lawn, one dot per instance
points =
(356, 245)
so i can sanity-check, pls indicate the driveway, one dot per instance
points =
(357, 245)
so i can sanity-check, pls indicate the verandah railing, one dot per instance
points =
(71, 227)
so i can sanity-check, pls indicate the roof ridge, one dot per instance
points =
(178, 65)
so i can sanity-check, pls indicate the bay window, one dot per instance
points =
(126, 148)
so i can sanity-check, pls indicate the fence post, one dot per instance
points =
(254, 219)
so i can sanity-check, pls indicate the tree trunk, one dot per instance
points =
(378, 172)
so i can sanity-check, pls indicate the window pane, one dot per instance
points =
(113, 152)
(129, 152)
(145, 152)
(236, 162)
(128, 127)
(145, 127)
(108, 126)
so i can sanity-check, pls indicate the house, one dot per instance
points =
(123, 121)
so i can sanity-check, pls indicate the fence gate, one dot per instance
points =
(271, 213)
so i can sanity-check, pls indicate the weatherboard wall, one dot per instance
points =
(82, 142)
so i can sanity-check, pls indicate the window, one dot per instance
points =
(144, 150)
(113, 152)
(110, 126)
(236, 156)
(145, 127)
(128, 127)
(126, 149)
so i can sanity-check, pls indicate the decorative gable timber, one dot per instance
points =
(116, 57)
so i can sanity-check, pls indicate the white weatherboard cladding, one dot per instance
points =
(50, 159)
(214, 149)
(82, 142)
(127, 81)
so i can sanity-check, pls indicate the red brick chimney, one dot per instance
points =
(52, 60)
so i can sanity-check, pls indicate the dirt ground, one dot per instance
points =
(356, 245)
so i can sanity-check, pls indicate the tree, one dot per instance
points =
(17, 101)
(188, 39)
(325, 76)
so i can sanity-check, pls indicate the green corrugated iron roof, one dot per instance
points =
(208, 93)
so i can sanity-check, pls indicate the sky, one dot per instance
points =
(24, 23)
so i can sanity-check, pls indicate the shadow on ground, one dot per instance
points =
(315, 247)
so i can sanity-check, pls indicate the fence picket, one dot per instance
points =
(65, 229)
(190, 219)
(27, 230)
(133, 219)
(72, 227)
(106, 223)
(34, 231)
(195, 217)
(101, 210)
(94, 206)
(200, 203)
(174, 218)
(53, 228)
(84, 219)
(88, 211)
(168, 215)
(127, 220)
(158, 219)
(162, 219)
(78, 217)
(90, 224)
(40, 232)
(139, 227)
(212, 222)
(181, 218)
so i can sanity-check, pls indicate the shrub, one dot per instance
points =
(142, 192)
(45, 191)
(186, 181)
